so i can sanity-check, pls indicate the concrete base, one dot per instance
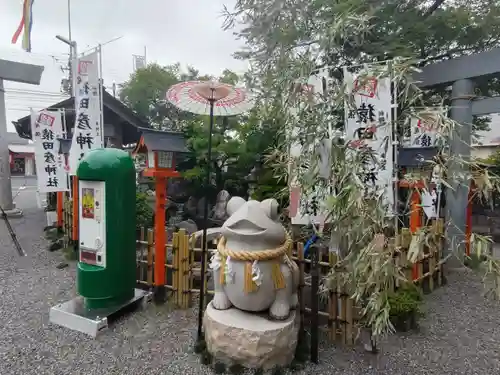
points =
(51, 218)
(75, 316)
(15, 212)
(249, 339)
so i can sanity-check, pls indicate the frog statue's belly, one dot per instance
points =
(259, 300)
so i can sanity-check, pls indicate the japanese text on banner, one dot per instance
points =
(87, 133)
(369, 125)
(424, 129)
(51, 166)
(306, 207)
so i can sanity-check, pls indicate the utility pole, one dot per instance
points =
(70, 62)
(73, 48)
(67, 83)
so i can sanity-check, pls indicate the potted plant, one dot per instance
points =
(405, 308)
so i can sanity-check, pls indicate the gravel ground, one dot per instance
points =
(460, 334)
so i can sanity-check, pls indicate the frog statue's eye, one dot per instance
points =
(234, 204)
(270, 207)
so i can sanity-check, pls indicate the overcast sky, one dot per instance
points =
(185, 31)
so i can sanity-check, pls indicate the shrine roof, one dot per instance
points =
(115, 112)
(158, 140)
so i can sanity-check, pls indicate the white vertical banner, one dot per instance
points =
(369, 124)
(139, 62)
(424, 128)
(306, 208)
(87, 132)
(51, 166)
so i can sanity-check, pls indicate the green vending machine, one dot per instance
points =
(106, 270)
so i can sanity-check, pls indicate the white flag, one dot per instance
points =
(51, 166)
(308, 207)
(370, 125)
(87, 133)
(139, 62)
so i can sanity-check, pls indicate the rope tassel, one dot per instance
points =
(278, 278)
(222, 271)
(277, 255)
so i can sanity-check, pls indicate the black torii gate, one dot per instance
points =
(461, 73)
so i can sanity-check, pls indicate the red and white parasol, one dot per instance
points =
(198, 96)
(213, 99)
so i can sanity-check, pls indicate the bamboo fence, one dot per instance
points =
(338, 314)
(67, 220)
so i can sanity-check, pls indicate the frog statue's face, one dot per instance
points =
(253, 223)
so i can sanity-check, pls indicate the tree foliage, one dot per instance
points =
(277, 32)
(238, 142)
(288, 40)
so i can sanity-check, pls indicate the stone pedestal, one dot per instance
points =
(249, 339)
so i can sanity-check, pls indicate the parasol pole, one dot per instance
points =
(201, 308)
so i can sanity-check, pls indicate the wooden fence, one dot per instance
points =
(338, 315)
(68, 219)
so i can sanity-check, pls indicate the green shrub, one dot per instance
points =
(405, 306)
(404, 301)
(143, 211)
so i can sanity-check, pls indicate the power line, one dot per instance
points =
(39, 55)
(27, 91)
(35, 97)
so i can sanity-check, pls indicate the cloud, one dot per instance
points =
(185, 31)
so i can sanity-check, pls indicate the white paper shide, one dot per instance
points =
(51, 166)
(369, 125)
(87, 133)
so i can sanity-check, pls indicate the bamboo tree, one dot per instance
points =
(285, 43)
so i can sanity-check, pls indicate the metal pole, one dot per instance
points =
(395, 148)
(5, 183)
(462, 94)
(69, 20)
(101, 94)
(70, 65)
(314, 303)
(145, 61)
(201, 307)
(74, 67)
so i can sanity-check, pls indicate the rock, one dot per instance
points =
(190, 207)
(251, 340)
(189, 225)
(52, 233)
(56, 245)
(220, 206)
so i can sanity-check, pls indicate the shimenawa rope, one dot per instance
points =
(278, 255)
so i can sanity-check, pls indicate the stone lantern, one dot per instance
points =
(160, 151)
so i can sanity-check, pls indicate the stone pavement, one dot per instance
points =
(459, 335)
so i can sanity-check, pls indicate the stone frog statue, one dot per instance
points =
(251, 269)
